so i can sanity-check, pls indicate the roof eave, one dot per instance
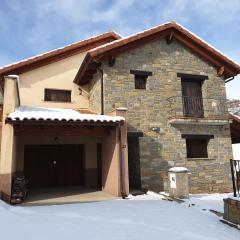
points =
(230, 68)
(57, 54)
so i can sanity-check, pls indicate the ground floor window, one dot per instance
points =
(197, 145)
(197, 148)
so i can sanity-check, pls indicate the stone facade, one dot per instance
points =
(95, 93)
(151, 108)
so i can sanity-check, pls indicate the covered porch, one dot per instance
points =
(65, 155)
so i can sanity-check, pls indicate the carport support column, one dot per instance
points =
(124, 152)
(10, 101)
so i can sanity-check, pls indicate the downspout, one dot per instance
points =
(122, 169)
(102, 94)
(229, 79)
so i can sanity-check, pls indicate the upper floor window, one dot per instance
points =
(57, 95)
(192, 94)
(140, 81)
(140, 78)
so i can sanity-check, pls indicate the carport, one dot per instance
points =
(68, 156)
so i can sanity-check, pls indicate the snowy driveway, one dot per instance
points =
(117, 219)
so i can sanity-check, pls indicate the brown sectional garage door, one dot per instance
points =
(54, 165)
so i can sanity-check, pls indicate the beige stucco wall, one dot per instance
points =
(89, 142)
(8, 141)
(57, 75)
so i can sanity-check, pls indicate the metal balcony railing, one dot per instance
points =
(197, 107)
(235, 170)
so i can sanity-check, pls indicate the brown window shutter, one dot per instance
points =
(197, 148)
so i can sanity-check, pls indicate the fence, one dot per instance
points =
(235, 170)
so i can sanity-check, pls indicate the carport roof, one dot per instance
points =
(58, 115)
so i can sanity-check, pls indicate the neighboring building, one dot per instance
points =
(234, 115)
(171, 83)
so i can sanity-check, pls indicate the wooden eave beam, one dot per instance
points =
(169, 38)
(91, 71)
(111, 61)
(220, 71)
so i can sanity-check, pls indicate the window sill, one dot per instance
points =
(199, 159)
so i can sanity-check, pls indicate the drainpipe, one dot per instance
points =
(229, 79)
(122, 169)
(102, 94)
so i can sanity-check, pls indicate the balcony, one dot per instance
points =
(197, 109)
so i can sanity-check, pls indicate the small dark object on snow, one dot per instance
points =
(19, 190)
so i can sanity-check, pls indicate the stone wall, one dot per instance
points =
(232, 210)
(95, 93)
(150, 108)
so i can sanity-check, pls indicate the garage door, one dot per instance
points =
(54, 165)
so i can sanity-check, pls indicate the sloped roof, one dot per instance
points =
(41, 114)
(57, 54)
(171, 30)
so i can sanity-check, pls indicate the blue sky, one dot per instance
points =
(31, 27)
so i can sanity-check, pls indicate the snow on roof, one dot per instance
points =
(156, 27)
(57, 49)
(178, 169)
(124, 38)
(235, 112)
(208, 44)
(58, 114)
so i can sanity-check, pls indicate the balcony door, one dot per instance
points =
(192, 98)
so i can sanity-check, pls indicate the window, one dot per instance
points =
(197, 145)
(192, 94)
(140, 78)
(140, 81)
(57, 95)
(192, 98)
(197, 148)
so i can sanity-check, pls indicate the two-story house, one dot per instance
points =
(115, 113)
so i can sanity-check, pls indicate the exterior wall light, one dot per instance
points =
(156, 129)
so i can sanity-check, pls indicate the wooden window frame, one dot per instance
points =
(192, 77)
(48, 91)
(140, 78)
(140, 81)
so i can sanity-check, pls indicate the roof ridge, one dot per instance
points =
(132, 35)
(173, 24)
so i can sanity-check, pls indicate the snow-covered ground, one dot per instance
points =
(208, 201)
(116, 219)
